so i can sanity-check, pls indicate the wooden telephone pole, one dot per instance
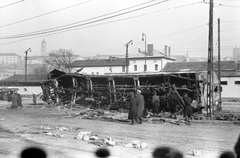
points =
(210, 63)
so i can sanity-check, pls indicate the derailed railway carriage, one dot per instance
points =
(114, 88)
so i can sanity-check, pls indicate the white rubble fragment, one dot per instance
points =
(143, 145)
(86, 137)
(82, 133)
(197, 153)
(135, 142)
(2, 119)
(129, 145)
(111, 142)
(49, 133)
(63, 129)
(94, 138)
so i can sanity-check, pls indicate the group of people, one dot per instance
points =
(16, 99)
(136, 102)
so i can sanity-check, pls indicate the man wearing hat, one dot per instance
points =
(133, 107)
(140, 105)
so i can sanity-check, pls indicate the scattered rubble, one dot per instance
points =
(136, 144)
(55, 134)
(197, 153)
(2, 119)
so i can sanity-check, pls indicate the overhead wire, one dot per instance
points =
(41, 15)
(11, 4)
(69, 26)
(115, 21)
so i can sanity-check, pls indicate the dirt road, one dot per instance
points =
(21, 128)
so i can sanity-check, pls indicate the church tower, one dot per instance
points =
(43, 48)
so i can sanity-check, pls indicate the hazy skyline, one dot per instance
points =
(180, 24)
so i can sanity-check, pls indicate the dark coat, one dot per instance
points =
(187, 108)
(173, 101)
(140, 105)
(34, 98)
(15, 99)
(133, 108)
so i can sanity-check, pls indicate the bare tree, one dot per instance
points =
(60, 59)
(41, 70)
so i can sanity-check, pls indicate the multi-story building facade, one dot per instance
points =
(236, 54)
(10, 58)
(153, 61)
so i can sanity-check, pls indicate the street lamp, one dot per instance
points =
(144, 38)
(26, 52)
(127, 44)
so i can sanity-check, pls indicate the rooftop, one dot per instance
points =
(99, 62)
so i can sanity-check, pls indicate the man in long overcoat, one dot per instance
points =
(140, 105)
(133, 107)
(14, 100)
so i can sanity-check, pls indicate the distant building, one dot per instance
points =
(236, 54)
(155, 61)
(230, 74)
(43, 48)
(10, 58)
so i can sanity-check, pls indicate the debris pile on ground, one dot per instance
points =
(226, 116)
(55, 134)
(99, 114)
(136, 144)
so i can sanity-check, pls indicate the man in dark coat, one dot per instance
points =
(140, 105)
(133, 107)
(187, 108)
(155, 102)
(14, 100)
(173, 101)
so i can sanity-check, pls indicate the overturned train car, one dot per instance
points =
(70, 88)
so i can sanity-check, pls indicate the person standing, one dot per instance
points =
(34, 98)
(187, 108)
(133, 108)
(19, 100)
(140, 105)
(14, 100)
(173, 101)
(155, 102)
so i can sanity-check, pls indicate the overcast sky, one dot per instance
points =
(90, 27)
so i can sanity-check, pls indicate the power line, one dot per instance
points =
(34, 17)
(117, 21)
(11, 4)
(70, 26)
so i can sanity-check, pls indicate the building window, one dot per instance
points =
(156, 67)
(135, 67)
(92, 73)
(110, 69)
(223, 82)
(123, 69)
(145, 67)
(97, 73)
(237, 82)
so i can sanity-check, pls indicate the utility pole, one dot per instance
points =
(127, 62)
(210, 63)
(219, 68)
(26, 52)
(144, 38)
